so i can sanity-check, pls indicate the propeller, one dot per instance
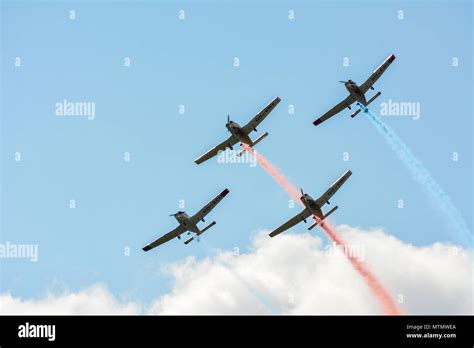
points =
(301, 191)
(228, 118)
(179, 212)
(343, 81)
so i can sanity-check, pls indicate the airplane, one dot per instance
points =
(239, 133)
(313, 206)
(357, 93)
(189, 223)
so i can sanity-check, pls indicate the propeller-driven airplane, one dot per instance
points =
(313, 206)
(357, 93)
(239, 133)
(187, 223)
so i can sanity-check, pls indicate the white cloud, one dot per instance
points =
(95, 299)
(292, 274)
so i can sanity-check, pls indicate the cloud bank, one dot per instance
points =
(290, 274)
(95, 299)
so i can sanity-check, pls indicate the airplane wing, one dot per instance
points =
(290, 223)
(208, 207)
(167, 237)
(333, 188)
(335, 110)
(231, 141)
(376, 74)
(254, 122)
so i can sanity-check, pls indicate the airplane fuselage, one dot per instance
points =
(185, 221)
(356, 92)
(237, 131)
(311, 205)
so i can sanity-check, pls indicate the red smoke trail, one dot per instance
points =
(387, 305)
(381, 294)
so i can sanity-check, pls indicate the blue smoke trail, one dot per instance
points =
(421, 174)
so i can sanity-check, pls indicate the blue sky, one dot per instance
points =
(190, 62)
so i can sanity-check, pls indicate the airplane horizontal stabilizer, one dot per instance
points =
(324, 217)
(207, 227)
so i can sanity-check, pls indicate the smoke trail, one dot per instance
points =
(387, 305)
(276, 174)
(382, 296)
(421, 174)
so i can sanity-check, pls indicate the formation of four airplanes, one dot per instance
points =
(241, 134)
